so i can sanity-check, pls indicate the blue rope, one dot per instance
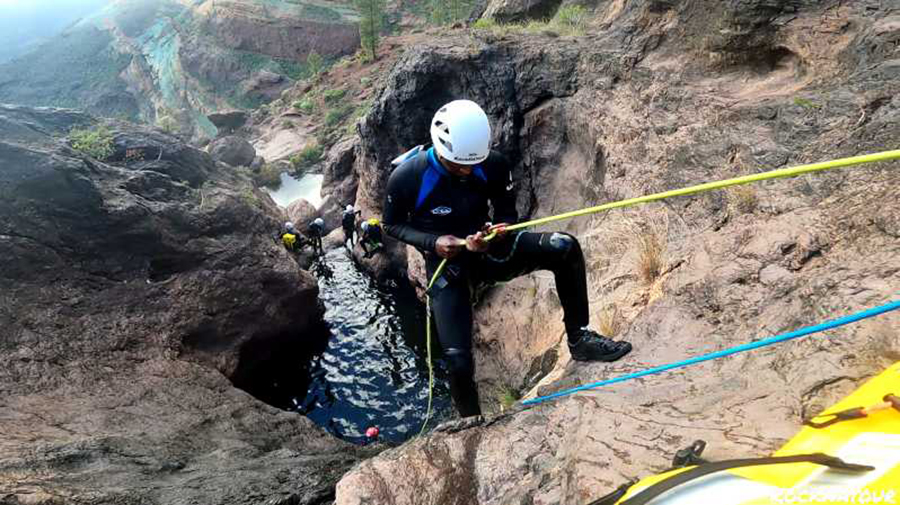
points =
(727, 352)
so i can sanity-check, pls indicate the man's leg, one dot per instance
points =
(558, 252)
(348, 235)
(561, 254)
(452, 308)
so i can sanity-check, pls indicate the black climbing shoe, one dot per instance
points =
(588, 345)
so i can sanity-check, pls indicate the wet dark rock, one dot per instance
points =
(134, 289)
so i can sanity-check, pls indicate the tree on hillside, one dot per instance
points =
(314, 63)
(370, 22)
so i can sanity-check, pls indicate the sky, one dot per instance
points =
(26, 23)
(31, 4)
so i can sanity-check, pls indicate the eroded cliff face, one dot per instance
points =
(173, 62)
(657, 96)
(133, 290)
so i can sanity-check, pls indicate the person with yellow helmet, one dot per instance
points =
(372, 238)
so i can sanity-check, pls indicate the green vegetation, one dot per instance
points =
(806, 103)
(251, 61)
(249, 197)
(360, 111)
(508, 397)
(165, 121)
(94, 142)
(292, 69)
(338, 114)
(569, 20)
(314, 63)
(485, 24)
(370, 24)
(268, 176)
(333, 95)
(309, 156)
(306, 106)
(742, 199)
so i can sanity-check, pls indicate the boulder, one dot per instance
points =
(333, 240)
(301, 213)
(229, 121)
(232, 150)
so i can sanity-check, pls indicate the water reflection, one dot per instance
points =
(307, 187)
(370, 371)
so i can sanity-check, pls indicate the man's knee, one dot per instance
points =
(562, 245)
(460, 361)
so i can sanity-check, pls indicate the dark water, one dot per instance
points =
(370, 370)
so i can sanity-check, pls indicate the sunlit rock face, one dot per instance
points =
(660, 95)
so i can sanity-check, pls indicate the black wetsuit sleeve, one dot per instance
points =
(399, 205)
(503, 191)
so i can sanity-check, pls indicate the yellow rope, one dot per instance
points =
(434, 277)
(700, 188)
(709, 186)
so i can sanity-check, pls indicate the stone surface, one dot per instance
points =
(232, 150)
(228, 121)
(626, 111)
(134, 289)
(301, 213)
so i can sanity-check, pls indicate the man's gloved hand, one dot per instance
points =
(448, 246)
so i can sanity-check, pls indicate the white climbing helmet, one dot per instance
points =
(349, 208)
(461, 132)
(289, 225)
(319, 222)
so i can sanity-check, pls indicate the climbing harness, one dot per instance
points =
(700, 188)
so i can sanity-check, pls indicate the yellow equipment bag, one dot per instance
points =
(856, 444)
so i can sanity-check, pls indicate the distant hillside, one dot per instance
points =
(175, 61)
(25, 25)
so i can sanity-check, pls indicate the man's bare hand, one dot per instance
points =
(477, 243)
(448, 246)
(498, 229)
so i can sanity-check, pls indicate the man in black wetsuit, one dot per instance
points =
(348, 222)
(437, 200)
(316, 229)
